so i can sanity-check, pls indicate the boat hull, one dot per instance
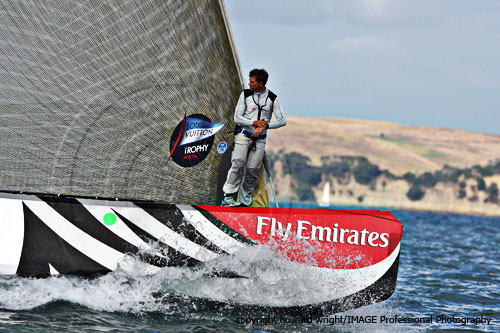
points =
(350, 258)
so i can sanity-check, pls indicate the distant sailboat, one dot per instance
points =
(325, 198)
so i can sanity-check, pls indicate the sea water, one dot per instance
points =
(449, 278)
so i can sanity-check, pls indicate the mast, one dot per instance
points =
(233, 44)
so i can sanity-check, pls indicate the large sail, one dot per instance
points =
(91, 94)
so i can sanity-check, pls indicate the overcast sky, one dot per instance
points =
(414, 62)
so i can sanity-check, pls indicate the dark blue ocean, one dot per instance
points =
(449, 279)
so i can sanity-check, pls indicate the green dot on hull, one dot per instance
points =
(109, 219)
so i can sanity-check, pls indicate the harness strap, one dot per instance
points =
(249, 134)
(270, 95)
(260, 106)
(247, 93)
(253, 145)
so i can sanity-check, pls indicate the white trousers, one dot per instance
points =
(245, 168)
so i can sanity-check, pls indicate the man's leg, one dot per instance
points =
(253, 165)
(235, 174)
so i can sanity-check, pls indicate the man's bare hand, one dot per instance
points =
(257, 132)
(261, 123)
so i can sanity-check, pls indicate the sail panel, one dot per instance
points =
(91, 92)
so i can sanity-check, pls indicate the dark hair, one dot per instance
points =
(260, 75)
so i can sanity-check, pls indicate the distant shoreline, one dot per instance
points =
(313, 205)
(414, 168)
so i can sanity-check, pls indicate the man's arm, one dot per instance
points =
(279, 116)
(240, 111)
(260, 123)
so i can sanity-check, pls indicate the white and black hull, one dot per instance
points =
(49, 235)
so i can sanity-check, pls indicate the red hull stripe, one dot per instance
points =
(340, 239)
(224, 227)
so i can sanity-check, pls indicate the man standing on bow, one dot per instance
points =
(252, 116)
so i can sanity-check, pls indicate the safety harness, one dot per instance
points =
(237, 129)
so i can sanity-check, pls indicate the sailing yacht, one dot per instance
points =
(95, 98)
(325, 198)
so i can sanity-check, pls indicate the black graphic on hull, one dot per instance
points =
(81, 218)
(42, 247)
(172, 217)
(173, 257)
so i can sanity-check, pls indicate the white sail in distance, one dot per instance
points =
(325, 197)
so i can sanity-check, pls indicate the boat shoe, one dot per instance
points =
(229, 202)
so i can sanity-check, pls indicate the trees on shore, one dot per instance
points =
(305, 175)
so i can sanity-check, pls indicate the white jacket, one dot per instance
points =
(246, 113)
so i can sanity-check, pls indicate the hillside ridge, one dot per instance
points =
(395, 147)
(380, 164)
